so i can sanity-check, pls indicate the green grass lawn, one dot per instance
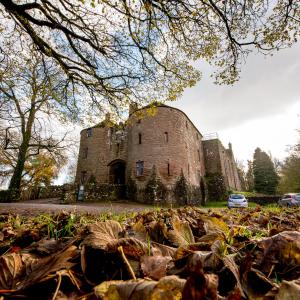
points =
(223, 204)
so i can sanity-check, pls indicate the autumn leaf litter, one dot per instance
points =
(185, 253)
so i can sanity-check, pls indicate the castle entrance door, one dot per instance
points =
(117, 171)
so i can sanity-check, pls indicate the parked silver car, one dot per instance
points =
(237, 200)
(290, 199)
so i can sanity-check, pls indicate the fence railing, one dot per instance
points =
(210, 136)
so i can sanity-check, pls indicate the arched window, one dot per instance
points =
(140, 138)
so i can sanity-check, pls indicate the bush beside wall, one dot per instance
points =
(155, 191)
(216, 187)
(264, 200)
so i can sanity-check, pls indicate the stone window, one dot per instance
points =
(166, 137)
(85, 152)
(199, 157)
(140, 138)
(139, 168)
(89, 132)
(83, 177)
(188, 169)
(169, 173)
(118, 149)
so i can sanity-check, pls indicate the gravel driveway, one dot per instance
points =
(35, 207)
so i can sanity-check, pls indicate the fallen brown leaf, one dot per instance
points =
(155, 267)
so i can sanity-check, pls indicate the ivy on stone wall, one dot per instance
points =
(216, 187)
(182, 190)
(155, 191)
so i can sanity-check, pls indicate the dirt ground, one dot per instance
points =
(35, 207)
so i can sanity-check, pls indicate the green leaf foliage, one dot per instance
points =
(290, 172)
(216, 187)
(265, 176)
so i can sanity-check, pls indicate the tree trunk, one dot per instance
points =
(15, 182)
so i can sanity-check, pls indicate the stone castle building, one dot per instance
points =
(159, 155)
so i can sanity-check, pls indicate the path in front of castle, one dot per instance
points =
(35, 207)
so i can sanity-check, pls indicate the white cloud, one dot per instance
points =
(272, 134)
(259, 111)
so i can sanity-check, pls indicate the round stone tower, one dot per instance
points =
(102, 154)
(163, 137)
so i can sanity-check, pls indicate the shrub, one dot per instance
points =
(155, 191)
(182, 190)
(216, 187)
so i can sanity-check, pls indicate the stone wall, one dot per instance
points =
(219, 160)
(92, 192)
(160, 137)
(212, 157)
(54, 191)
(104, 192)
(170, 142)
(100, 146)
(93, 155)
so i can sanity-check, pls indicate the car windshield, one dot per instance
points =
(237, 196)
(297, 197)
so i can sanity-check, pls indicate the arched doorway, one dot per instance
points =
(117, 171)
